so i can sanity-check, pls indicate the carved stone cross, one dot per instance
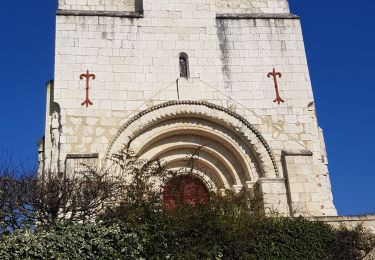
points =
(274, 74)
(87, 101)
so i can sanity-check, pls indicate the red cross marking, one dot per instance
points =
(87, 101)
(274, 74)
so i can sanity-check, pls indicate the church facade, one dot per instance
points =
(227, 77)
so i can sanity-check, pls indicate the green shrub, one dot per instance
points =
(72, 241)
(124, 218)
(213, 231)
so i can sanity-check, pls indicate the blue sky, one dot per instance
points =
(339, 38)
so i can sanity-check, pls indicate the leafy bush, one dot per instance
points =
(213, 231)
(95, 216)
(72, 241)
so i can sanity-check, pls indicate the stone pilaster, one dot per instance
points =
(274, 195)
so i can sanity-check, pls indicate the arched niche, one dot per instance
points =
(232, 152)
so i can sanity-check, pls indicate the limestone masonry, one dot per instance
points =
(175, 75)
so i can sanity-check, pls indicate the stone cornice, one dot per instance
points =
(354, 218)
(99, 13)
(135, 14)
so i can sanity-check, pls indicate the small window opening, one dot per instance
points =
(184, 65)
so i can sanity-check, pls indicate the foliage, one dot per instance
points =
(26, 199)
(352, 243)
(15, 209)
(121, 216)
(71, 241)
(142, 189)
(203, 232)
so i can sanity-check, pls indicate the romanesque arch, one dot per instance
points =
(232, 153)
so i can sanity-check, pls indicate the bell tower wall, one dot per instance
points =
(147, 53)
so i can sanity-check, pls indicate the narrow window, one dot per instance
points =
(184, 65)
(139, 6)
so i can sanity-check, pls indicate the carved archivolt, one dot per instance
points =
(233, 153)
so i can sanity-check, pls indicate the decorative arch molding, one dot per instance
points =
(219, 115)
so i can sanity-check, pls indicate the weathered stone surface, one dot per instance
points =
(98, 5)
(252, 6)
(225, 103)
(367, 222)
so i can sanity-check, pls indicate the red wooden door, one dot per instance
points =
(185, 189)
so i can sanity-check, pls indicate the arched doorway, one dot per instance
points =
(185, 189)
(232, 153)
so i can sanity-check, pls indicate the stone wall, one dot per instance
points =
(97, 5)
(252, 6)
(305, 190)
(136, 63)
(367, 221)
